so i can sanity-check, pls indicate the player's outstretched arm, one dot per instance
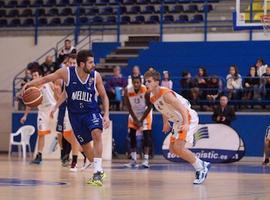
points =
(26, 112)
(104, 98)
(171, 99)
(59, 74)
(61, 99)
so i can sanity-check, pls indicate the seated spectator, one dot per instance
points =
(114, 87)
(187, 87)
(223, 113)
(135, 72)
(266, 84)
(68, 48)
(214, 88)
(260, 67)
(234, 83)
(166, 82)
(250, 84)
(48, 66)
(201, 82)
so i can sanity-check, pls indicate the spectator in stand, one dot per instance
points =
(135, 73)
(234, 83)
(214, 88)
(223, 113)
(115, 86)
(266, 84)
(48, 66)
(251, 83)
(201, 82)
(188, 90)
(261, 67)
(68, 49)
(166, 82)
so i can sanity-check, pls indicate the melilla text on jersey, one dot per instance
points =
(81, 96)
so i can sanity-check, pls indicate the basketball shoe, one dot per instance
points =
(38, 159)
(201, 175)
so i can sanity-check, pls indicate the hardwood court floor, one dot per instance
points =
(19, 180)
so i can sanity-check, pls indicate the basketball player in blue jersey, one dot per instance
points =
(83, 85)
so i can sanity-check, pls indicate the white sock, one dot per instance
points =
(198, 164)
(146, 157)
(134, 155)
(97, 165)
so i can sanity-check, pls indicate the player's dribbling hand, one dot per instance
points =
(106, 122)
(185, 127)
(166, 127)
(23, 119)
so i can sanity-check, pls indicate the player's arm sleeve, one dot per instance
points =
(102, 94)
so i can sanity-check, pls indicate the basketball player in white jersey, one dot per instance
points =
(138, 103)
(44, 122)
(176, 109)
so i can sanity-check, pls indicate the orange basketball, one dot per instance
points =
(32, 97)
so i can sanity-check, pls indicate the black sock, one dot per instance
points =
(74, 158)
(62, 153)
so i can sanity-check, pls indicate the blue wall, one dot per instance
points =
(215, 56)
(250, 127)
(102, 49)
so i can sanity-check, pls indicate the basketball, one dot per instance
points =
(32, 97)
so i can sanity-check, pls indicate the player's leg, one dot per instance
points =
(147, 143)
(147, 139)
(69, 136)
(132, 135)
(98, 175)
(178, 147)
(266, 151)
(43, 129)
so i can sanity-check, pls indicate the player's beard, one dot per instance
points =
(86, 70)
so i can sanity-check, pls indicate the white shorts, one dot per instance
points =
(45, 123)
(188, 137)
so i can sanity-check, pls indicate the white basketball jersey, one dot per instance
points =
(48, 97)
(167, 110)
(137, 100)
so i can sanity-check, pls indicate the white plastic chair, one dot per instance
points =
(26, 132)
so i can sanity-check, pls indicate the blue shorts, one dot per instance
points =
(60, 119)
(83, 124)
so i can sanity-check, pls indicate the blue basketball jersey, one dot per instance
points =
(82, 96)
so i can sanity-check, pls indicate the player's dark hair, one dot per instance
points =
(136, 78)
(72, 56)
(67, 40)
(83, 55)
(34, 70)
